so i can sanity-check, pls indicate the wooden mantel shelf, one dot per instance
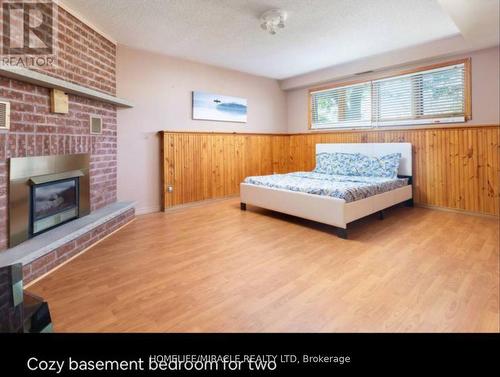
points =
(37, 78)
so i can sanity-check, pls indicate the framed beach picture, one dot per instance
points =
(208, 106)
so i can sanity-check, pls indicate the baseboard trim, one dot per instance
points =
(77, 255)
(146, 210)
(199, 203)
(456, 210)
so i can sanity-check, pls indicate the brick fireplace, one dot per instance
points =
(34, 131)
(88, 59)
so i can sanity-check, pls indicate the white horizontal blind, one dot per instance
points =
(426, 95)
(430, 96)
(346, 106)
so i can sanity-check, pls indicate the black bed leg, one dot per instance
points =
(381, 215)
(243, 206)
(409, 203)
(341, 232)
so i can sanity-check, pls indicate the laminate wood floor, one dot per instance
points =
(214, 268)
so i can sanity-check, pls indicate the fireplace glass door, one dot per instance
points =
(53, 203)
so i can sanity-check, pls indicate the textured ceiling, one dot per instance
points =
(226, 33)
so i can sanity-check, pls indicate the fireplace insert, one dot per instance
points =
(46, 191)
(53, 203)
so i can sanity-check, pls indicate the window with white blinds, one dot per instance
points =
(437, 95)
(345, 106)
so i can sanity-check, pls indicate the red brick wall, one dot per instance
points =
(85, 58)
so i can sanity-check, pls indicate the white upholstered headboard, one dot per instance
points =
(375, 150)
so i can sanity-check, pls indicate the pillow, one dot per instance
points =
(385, 166)
(336, 163)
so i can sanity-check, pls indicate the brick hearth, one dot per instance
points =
(44, 264)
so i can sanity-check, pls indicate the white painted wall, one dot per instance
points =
(160, 88)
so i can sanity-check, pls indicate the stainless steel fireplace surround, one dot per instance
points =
(65, 177)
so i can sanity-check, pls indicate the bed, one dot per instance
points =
(332, 198)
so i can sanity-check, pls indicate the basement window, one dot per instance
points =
(437, 94)
(343, 106)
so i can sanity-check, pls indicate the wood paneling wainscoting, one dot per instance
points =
(200, 166)
(453, 167)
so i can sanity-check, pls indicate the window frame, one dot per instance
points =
(403, 124)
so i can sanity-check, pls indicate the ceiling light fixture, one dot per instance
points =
(272, 20)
